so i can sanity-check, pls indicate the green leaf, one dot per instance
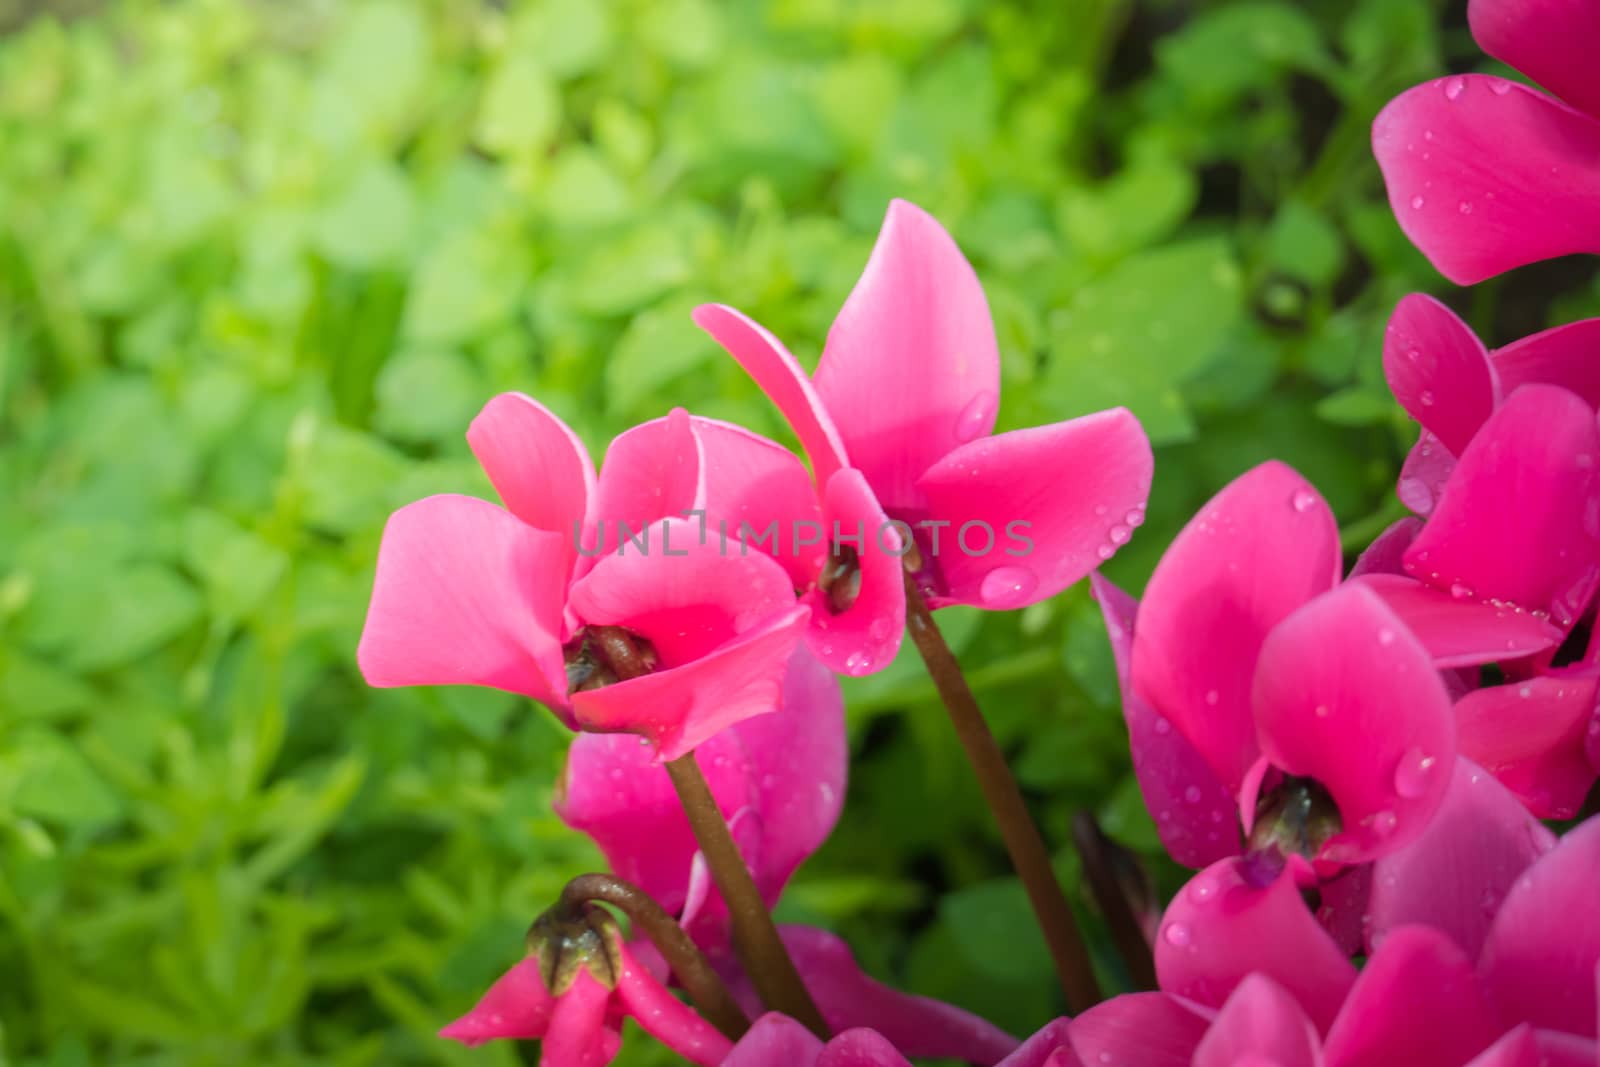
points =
(994, 927)
(521, 108)
(659, 345)
(370, 223)
(237, 568)
(49, 780)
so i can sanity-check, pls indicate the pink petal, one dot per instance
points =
(1223, 926)
(581, 1034)
(865, 636)
(1148, 1029)
(860, 1047)
(681, 707)
(911, 369)
(1260, 1024)
(1262, 547)
(1424, 474)
(1417, 1002)
(1386, 552)
(1540, 958)
(753, 485)
(517, 1006)
(650, 472)
(775, 1041)
(1517, 520)
(1380, 739)
(537, 464)
(1049, 1046)
(1518, 1048)
(1531, 735)
(668, 1019)
(1458, 632)
(1485, 175)
(1344, 911)
(1562, 355)
(781, 377)
(1047, 531)
(1196, 816)
(916, 1026)
(1454, 876)
(1438, 370)
(465, 594)
(1551, 41)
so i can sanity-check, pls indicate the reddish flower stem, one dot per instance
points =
(1100, 871)
(1023, 841)
(706, 991)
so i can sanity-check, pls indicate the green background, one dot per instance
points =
(260, 263)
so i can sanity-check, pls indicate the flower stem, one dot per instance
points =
(1023, 842)
(1109, 886)
(709, 996)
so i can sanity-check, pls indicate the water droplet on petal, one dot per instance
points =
(977, 418)
(1119, 534)
(1384, 822)
(1426, 398)
(1413, 772)
(1454, 87)
(857, 662)
(1417, 202)
(1385, 636)
(1105, 551)
(1212, 696)
(1303, 500)
(1163, 726)
(1192, 794)
(1460, 591)
(1465, 207)
(1134, 517)
(1008, 587)
(1177, 935)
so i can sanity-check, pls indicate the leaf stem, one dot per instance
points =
(1101, 860)
(1022, 839)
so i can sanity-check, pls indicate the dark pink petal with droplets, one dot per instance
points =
(666, 1018)
(1022, 528)
(1532, 735)
(1049, 1046)
(1551, 41)
(1417, 1002)
(1561, 355)
(650, 472)
(1458, 632)
(1454, 877)
(1345, 695)
(1196, 816)
(518, 1006)
(1260, 1024)
(911, 369)
(1518, 520)
(1261, 548)
(775, 1040)
(1148, 1029)
(1424, 474)
(866, 635)
(1485, 175)
(1438, 370)
(860, 1047)
(1540, 959)
(1386, 553)
(1225, 925)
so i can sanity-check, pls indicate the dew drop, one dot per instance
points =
(1384, 822)
(1105, 551)
(1426, 397)
(1119, 534)
(1192, 795)
(1303, 500)
(1163, 726)
(1454, 87)
(1499, 87)
(857, 662)
(1417, 202)
(1134, 517)
(1008, 587)
(1412, 773)
(1212, 696)
(1385, 636)
(1415, 494)
(1460, 591)
(1177, 935)
(1465, 207)
(977, 418)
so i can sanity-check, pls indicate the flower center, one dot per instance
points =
(603, 655)
(566, 941)
(1296, 817)
(840, 580)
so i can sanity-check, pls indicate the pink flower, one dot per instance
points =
(1485, 174)
(521, 598)
(898, 423)
(580, 1022)
(1254, 683)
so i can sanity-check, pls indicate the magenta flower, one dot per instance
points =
(580, 1021)
(1243, 647)
(902, 410)
(522, 598)
(1485, 174)
(778, 1041)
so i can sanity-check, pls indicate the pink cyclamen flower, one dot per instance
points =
(780, 782)
(778, 1041)
(525, 598)
(898, 422)
(1254, 683)
(1485, 174)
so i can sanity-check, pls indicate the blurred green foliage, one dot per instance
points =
(260, 263)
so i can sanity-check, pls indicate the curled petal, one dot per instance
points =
(668, 1019)
(864, 636)
(781, 377)
(1458, 632)
(1485, 175)
(1561, 355)
(1424, 474)
(1417, 1002)
(1380, 739)
(1261, 548)
(518, 1006)
(1517, 521)
(911, 369)
(1438, 370)
(536, 463)
(1386, 553)
(1226, 924)
(466, 594)
(1150, 1029)
(1044, 531)
(1531, 735)
(1196, 815)
(651, 472)
(1454, 876)
(1551, 41)
(1049, 1046)
(1540, 958)
(1260, 1024)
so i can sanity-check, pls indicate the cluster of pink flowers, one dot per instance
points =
(1356, 764)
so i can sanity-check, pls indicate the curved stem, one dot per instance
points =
(1100, 862)
(1023, 842)
(755, 937)
(709, 996)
